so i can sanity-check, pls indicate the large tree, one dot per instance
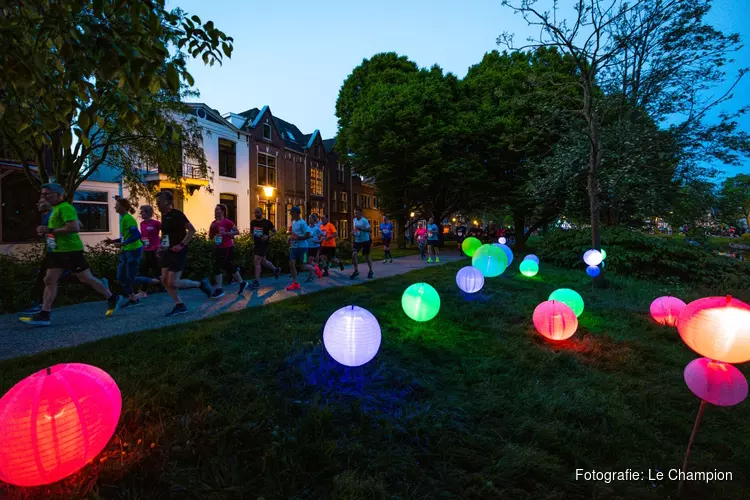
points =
(734, 200)
(89, 82)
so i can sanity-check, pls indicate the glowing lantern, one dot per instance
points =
(717, 328)
(469, 279)
(352, 336)
(593, 271)
(490, 260)
(502, 240)
(420, 302)
(532, 257)
(529, 268)
(570, 298)
(555, 320)
(55, 421)
(470, 245)
(592, 257)
(666, 310)
(507, 250)
(718, 383)
(604, 253)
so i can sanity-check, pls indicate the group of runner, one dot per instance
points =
(156, 253)
(427, 240)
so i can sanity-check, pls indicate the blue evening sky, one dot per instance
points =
(294, 55)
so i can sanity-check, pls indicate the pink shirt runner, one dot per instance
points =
(150, 237)
(420, 234)
(222, 240)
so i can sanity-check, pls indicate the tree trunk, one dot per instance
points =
(519, 220)
(401, 221)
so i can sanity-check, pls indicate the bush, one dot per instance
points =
(636, 254)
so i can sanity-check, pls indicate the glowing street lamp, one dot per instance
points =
(268, 191)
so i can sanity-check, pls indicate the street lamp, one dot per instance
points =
(411, 215)
(268, 191)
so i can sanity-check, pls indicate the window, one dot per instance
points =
(344, 229)
(316, 181)
(317, 151)
(269, 214)
(230, 201)
(340, 173)
(227, 158)
(316, 208)
(334, 202)
(93, 211)
(267, 131)
(365, 201)
(356, 201)
(290, 135)
(375, 202)
(375, 230)
(344, 201)
(266, 170)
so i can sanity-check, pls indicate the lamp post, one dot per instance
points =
(268, 191)
(411, 228)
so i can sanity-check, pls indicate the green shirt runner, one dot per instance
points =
(62, 213)
(127, 224)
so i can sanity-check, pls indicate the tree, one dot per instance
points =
(89, 82)
(734, 200)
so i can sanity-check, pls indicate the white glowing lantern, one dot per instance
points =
(502, 240)
(352, 336)
(469, 279)
(593, 257)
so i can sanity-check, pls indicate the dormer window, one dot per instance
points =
(267, 131)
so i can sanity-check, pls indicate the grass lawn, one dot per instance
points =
(473, 404)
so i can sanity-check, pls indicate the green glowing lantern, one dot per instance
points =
(570, 298)
(604, 253)
(490, 260)
(470, 245)
(529, 268)
(420, 302)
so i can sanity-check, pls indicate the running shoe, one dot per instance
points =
(37, 308)
(370, 275)
(429, 261)
(206, 288)
(177, 310)
(437, 260)
(243, 285)
(385, 261)
(276, 272)
(218, 293)
(113, 304)
(293, 286)
(255, 285)
(41, 318)
(318, 272)
(354, 275)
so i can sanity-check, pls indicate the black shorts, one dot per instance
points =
(173, 261)
(150, 265)
(364, 246)
(74, 262)
(260, 248)
(223, 260)
(386, 241)
(328, 252)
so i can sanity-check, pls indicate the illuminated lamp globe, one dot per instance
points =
(470, 245)
(420, 302)
(502, 240)
(570, 298)
(352, 336)
(507, 250)
(665, 310)
(529, 268)
(717, 328)
(54, 422)
(718, 383)
(469, 279)
(532, 257)
(555, 320)
(593, 271)
(604, 253)
(490, 260)
(592, 257)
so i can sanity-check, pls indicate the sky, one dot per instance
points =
(294, 55)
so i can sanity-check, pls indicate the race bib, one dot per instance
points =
(218, 240)
(145, 242)
(258, 232)
(165, 241)
(429, 235)
(386, 231)
(51, 242)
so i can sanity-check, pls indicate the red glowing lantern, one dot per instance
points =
(55, 421)
(555, 320)
(666, 310)
(718, 383)
(717, 328)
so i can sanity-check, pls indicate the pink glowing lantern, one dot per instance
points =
(718, 383)
(666, 310)
(55, 421)
(717, 328)
(555, 320)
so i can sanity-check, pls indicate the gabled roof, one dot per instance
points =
(329, 144)
(311, 141)
(211, 114)
(293, 137)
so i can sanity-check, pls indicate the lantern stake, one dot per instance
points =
(690, 443)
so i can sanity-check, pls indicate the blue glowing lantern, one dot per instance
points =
(491, 260)
(593, 271)
(506, 249)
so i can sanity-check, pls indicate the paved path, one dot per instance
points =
(81, 323)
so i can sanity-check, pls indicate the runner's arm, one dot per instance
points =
(135, 235)
(72, 226)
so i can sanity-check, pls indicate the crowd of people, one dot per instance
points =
(156, 252)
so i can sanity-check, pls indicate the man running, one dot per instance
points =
(176, 232)
(223, 231)
(432, 240)
(65, 253)
(421, 236)
(386, 230)
(262, 230)
(298, 236)
(328, 245)
(313, 244)
(362, 241)
(131, 248)
(460, 236)
(150, 272)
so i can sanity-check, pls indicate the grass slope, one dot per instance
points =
(473, 404)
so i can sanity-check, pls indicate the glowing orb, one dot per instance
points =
(506, 249)
(593, 271)
(592, 257)
(718, 383)
(529, 268)
(555, 320)
(490, 260)
(469, 279)
(604, 253)
(532, 257)
(470, 245)
(502, 240)
(570, 298)
(352, 336)
(420, 302)
(665, 310)
(717, 328)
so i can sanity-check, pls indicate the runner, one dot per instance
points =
(66, 253)
(362, 242)
(328, 245)
(131, 248)
(262, 230)
(176, 231)
(386, 230)
(150, 272)
(421, 235)
(313, 244)
(460, 236)
(298, 235)
(432, 240)
(223, 231)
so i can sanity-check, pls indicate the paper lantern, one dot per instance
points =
(469, 279)
(420, 302)
(490, 260)
(502, 240)
(570, 298)
(507, 250)
(593, 271)
(529, 268)
(604, 253)
(470, 245)
(555, 320)
(532, 257)
(665, 310)
(718, 383)
(592, 257)
(717, 328)
(55, 421)
(352, 336)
